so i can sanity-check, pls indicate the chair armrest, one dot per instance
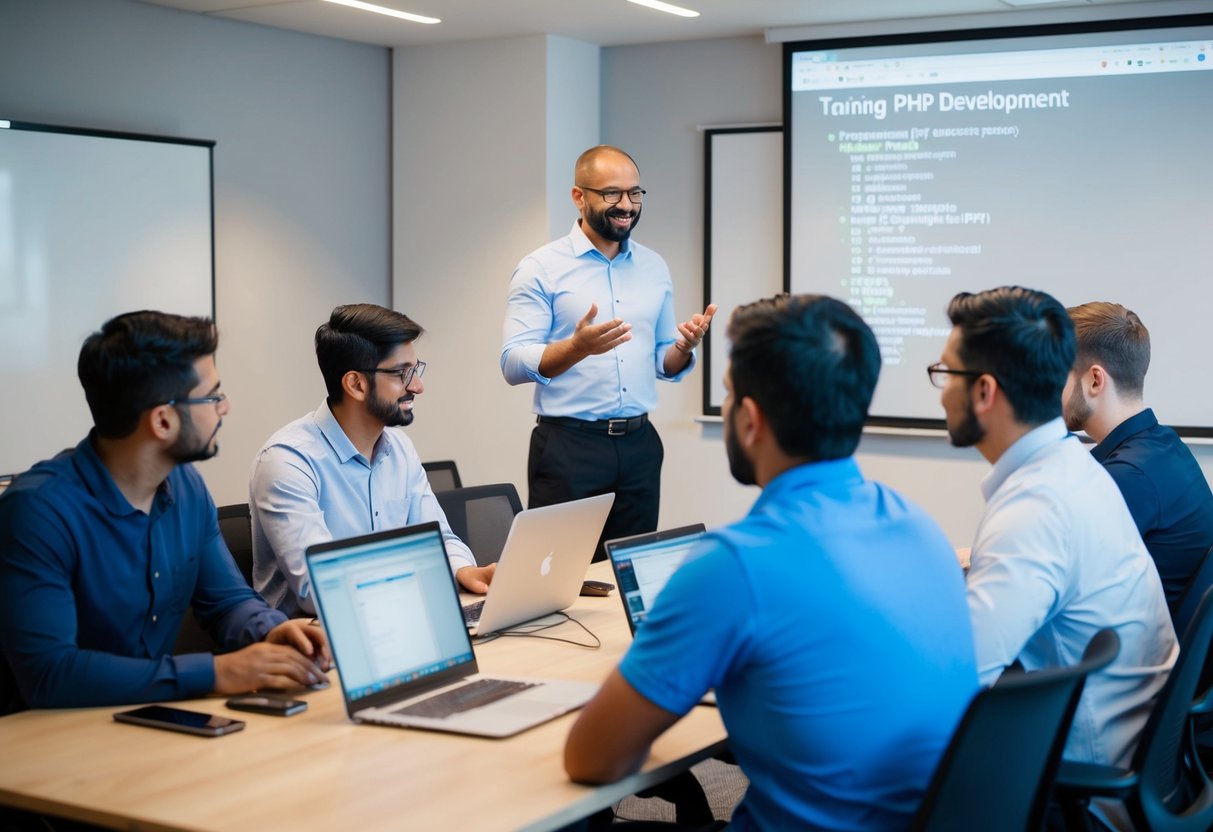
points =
(1203, 705)
(1090, 780)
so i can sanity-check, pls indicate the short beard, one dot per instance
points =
(1076, 410)
(969, 432)
(599, 222)
(740, 465)
(389, 412)
(187, 448)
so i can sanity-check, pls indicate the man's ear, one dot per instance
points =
(162, 422)
(984, 393)
(1096, 381)
(750, 422)
(356, 386)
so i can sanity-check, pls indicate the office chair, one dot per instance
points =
(442, 474)
(237, 529)
(997, 771)
(481, 516)
(1165, 789)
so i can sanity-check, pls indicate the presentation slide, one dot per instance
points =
(1075, 163)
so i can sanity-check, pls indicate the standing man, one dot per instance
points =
(1162, 483)
(103, 547)
(831, 621)
(348, 469)
(596, 379)
(1056, 557)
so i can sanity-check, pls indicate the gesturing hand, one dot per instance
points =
(692, 331)
(594, 339)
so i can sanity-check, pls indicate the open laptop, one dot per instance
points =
(542, 564)
(644, 563)
(389, 604)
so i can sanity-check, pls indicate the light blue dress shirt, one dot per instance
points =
(1056, 558)
(552, 290)
(310, 484)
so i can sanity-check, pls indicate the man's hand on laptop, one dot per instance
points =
(476, 578)
(293, 654)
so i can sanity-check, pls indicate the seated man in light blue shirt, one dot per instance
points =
(831, 621)
(347, 469)
(1057, 556)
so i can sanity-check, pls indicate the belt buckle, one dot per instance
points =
(617, 427)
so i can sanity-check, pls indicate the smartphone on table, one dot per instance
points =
(178, 719)
(260, 704)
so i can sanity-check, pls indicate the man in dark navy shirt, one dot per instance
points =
(103, 548)
(1162, 483)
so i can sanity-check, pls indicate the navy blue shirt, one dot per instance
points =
(93, 590)
(1167, 495)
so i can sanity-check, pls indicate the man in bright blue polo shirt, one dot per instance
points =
(104, 547)
(596, 383)
(1162, 483)
(831, 621)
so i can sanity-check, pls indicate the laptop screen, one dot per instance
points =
(390, 609)
(644, 563)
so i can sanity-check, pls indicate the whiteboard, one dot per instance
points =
(743, 235)
(92, 224)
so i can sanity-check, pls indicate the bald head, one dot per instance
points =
(588, 162)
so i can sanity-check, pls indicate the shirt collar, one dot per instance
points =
(100, 483)
(582, 245)
(332, 431)
(810, 475)
(1133, 425)
(1020, 452)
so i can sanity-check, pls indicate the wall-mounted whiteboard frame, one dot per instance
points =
(93, 223)
(743, 236)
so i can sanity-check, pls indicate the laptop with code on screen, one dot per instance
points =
(390, 607)
(644, 562)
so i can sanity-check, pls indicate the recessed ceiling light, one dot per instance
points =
(669, 8)
(370, 7)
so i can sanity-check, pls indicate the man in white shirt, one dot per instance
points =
(1057, 556)
(348, 468)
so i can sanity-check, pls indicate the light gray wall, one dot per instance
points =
(301, 171)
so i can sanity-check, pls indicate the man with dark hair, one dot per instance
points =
(1056, 557)
(831, 621)
(347, 469)
(595, 383)
(1161, 481)
(103, 547)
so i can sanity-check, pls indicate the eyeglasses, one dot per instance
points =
(611, 196)
(405, 374)
(215, 399)
(938, 374)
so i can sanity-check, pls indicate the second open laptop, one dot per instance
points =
(542, 565)
(389, 604)
(644, 562)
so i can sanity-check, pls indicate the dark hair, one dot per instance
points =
(139, 360)
(357, 337)
(1115, 338)
(1022, 337)
(811, 363)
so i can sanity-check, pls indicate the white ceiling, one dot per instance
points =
(603, 22)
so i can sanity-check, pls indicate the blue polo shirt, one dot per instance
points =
(1167, 495)
(833, 625)
(93, 591)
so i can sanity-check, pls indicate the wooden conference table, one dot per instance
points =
(317, 770)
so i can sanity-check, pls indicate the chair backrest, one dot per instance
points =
(442, 474)
(1004, 755)
(481, 516)
(237, 529)
(1197, 586)
(1175, 794)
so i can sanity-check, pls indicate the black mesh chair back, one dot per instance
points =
(237, 529)
(1198, 585)
(442, 474)
(481, 516)
(997, 771)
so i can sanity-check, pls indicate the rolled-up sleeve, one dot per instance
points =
(528, 325)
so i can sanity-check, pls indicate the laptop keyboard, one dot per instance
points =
(464, 698)
(471, 613)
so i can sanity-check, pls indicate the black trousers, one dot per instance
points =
(567, 463)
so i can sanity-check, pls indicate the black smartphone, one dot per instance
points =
(272, 705)
(176, 719)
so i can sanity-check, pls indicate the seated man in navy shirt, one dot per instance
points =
(104, 547)
(1162, 483)
(831, 621)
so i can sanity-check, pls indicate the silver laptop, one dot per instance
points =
(542, 564)
(644, 563)
(389, 604)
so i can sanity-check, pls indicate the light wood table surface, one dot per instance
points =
(317, 770)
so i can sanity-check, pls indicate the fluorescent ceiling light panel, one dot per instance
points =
(1018, 3)
(669, 8)
(370, 7)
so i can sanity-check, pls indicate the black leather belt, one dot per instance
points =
(611, 427)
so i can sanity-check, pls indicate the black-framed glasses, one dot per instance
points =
(611, 196)
(938, 374)
(406, 374)
(215, 398)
